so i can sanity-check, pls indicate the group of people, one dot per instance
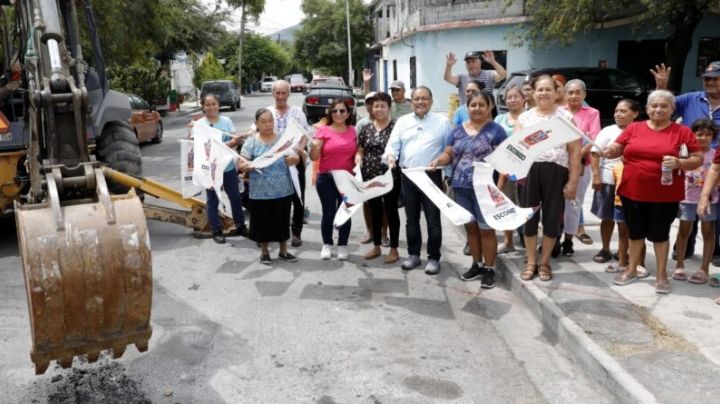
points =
(643, 174)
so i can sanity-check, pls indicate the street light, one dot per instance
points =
(347, 20)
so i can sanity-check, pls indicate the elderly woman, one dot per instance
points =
(552, 179)
(515, 101)
(467, 143)
(334, 147)
(371, 143)
(587, 119)
(650, 149)
(271, 190)
(603, 182)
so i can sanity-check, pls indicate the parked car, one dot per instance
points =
(226, 90)
(328, 80)
(605, 87)
(297, 83)
(319, 97)
(145, 120)
(266, 84)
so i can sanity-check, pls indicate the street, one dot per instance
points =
(227, 328)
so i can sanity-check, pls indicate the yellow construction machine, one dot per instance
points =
(69, 164)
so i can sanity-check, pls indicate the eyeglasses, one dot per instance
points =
(339, 111)
(421, 99)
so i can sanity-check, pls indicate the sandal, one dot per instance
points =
(602, 257)
(717, 301)
(679, 274)
(584, 238)
(545, 273)
(613, 269)
(366, 239)
(714, 280)
(662, 288)
(698, 278)
(529, 273)
(641, 272)
(624, 279)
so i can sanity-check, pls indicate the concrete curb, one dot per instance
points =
(593, 358)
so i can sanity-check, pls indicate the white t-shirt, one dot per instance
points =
(605, 138)
(558, 155)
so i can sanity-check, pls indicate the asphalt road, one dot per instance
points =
(229, 329)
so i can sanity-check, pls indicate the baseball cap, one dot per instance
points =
(397, 84)
(713, 70)
(472, 55)
(370, 95)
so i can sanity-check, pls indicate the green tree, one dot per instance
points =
(321, 43)
(209, 69)
(563, 21)
(261, 56)
(144, 79)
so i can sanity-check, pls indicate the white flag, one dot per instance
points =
(497, 210)
(454, 212)
(355, 191)
(516, 154)
(287, 142)
(210, 156)
(187, 162)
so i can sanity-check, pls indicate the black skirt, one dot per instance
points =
(270, 219)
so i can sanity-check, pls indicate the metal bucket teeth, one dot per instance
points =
(89, 284)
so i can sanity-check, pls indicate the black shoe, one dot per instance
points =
(265, 259)
(475, 272)
(556, 250)
(243, 231)
(238, 231)
(487, 281)
(466, 250)
(219, 238)
(288, 257)
(296, 241)
(567, 248)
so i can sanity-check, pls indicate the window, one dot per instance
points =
(624, 82)
(708, 51)
(395, 69)
(413, 73)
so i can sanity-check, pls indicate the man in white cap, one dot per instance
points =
(400, 105)
(473, 64)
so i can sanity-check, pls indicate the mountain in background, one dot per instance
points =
(286, 34)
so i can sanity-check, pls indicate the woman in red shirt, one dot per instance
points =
(335, 146)
(648, 148)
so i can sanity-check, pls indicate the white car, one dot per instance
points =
(267, 82)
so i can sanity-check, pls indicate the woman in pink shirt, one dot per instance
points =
(335, 146)
(587, 119)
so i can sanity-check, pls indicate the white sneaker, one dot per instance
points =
(342, 253)
(326, 252)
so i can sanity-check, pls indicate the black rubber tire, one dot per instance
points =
(158, 134)
(118, 148)
(232, 106)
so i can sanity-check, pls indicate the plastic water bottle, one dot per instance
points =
(666, 177)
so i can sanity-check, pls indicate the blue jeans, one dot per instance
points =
(230, 185)
(415, 202)
(330, 200)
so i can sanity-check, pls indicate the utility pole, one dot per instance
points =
(349, 47)
(242, 39)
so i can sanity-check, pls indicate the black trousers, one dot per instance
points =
(415, 203)
(386, 205)
(298, 208)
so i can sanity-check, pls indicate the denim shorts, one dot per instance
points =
(466, 198)
(688, 212)
(618, 214)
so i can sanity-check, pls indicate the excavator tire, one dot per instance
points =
(118, 148)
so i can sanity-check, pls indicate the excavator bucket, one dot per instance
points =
(88, 276)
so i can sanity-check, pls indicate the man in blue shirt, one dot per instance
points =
(691, 107)
(416, 140)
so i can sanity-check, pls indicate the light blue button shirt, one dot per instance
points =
(418, 141)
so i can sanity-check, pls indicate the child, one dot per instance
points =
(704, 132)
(623, 233)
(709, 187)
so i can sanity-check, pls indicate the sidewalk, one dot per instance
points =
(643, 347)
